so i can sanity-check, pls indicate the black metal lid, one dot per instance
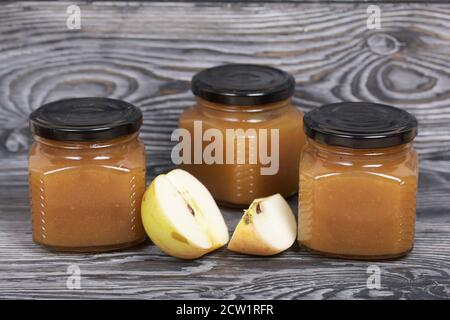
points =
(243, 84)
(360, 125)
(85, 119)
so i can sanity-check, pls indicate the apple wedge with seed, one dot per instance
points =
(181, 217)
(267, 227)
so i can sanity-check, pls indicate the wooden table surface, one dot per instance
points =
(146, 53)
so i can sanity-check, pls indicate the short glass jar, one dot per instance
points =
(248, 107)
(358, 181)
(87, 175)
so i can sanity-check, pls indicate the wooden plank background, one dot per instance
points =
(146, 53)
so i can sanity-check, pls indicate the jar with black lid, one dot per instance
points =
(249, 109)
(87, 175)
(358, 181)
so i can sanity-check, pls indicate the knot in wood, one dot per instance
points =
(382, 44)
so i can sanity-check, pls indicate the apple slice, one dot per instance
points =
(181, 217)
(267, 227)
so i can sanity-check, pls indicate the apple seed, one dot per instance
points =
(190, 209)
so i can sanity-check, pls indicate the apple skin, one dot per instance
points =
(246, 240)
(163, 234)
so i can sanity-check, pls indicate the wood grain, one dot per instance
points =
(146, 53)
(28, 271)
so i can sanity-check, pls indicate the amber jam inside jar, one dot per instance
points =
(87, 175)
(254, 102)
(358, 181)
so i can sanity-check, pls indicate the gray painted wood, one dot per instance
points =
(146, 53)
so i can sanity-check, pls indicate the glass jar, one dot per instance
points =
(248, 108)
(87, 175)
(358, 181)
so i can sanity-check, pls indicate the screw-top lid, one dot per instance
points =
(85, 119)
(360, 125)
(243, 84)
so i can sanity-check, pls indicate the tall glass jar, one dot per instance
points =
(86, 175)
(249, 108)
(358, 181)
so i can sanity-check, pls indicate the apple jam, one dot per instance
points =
(86, 175)
(248, 109)
(358, 181)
